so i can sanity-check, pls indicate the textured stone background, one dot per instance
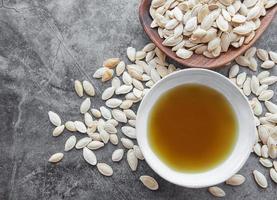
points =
(44, 46)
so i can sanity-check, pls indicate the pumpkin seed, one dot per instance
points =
(94, 145)
(108, 93)
(107, 74)
(113, 103)
(126, 104)
(155, 75)
(216, 191)
(114, 139)
(149, 182)
(243, 61)
(110, 128)
(263, 133)
(149, 83)
(132, 123)
(266, 95)
(257, 149)
(266, 162)
(272, 151)
(171, 24)
(70, 143)
(253, 12)
(253, 65)
(240, 79)
(268, 64)
(257, 107)
(117, 155)
(269, 80)
(126, 78)
(238, 19)
(275, 164)
(54, 118)
(105, 169)
(132, 160)
(99, 72)
(271, 107)
(127, 143)
(113, 122)
(85, 106)
(57, 157)
(244, 29)
(119, 115)
(58, 130)
(69, 125)
(96, 113)
(83, 142)
(140, 55)
(209, 20)
(149, 47)
(260, 179)
(183, 53)
(105, 112)
(131, 53)
(222, 24)
(246, 86)
(88, 120)
(129, 131)
(94, 136)
(78, 88)
(130, 114)
(120, 68)
(262, 54)
(138, 152)
(254, 84)
(270, 4)
(137, 84)
(213, 44)
(131, 96)
(124, 89)
(111, 62)
(226, 15)
(89, 156)
(264, 151)
(263, 74)
(191, 24)
(88, 88)
(273, 56)
(137, 93)
(249, 3)
(236, 180)
(104, 136)
(273, 175)
(233, 72)
(80, 126)
(149, 56)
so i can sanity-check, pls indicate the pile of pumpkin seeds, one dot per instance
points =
(130, 82)
(257, 86)
(207, 27)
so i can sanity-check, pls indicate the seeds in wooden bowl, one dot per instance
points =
(207, 27)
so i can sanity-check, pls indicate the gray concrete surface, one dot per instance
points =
(44, 46)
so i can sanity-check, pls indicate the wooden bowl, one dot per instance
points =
(195, 60)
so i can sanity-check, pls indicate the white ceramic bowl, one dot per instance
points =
(243, 112)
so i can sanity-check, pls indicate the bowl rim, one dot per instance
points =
(150, 162)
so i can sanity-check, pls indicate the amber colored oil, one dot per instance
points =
(192, 128)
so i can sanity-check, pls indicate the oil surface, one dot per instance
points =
(192, 128)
